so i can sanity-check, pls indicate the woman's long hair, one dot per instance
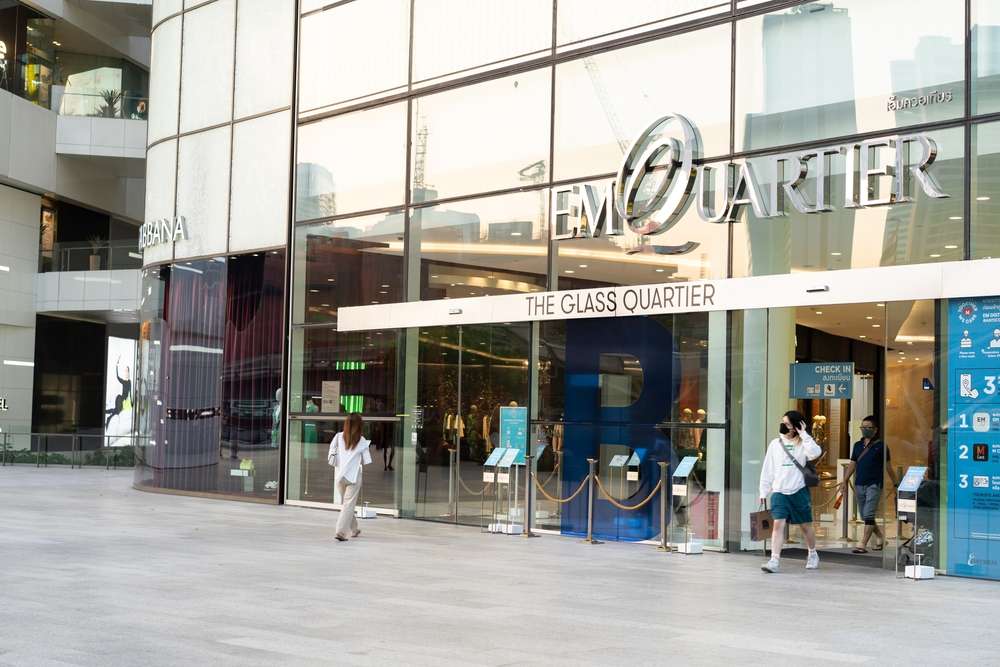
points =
(352, 430)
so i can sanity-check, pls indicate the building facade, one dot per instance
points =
(632, 233)
(74, 93)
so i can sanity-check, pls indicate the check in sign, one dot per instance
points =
(827, 380)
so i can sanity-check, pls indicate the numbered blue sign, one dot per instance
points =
(974, 437)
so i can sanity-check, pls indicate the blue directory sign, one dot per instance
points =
(514, 430)
(826, 380)
(912, 479)
(974, 440)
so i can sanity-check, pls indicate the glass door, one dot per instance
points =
(466, 374)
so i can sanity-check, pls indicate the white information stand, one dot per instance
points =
(906, 512)
(680, 488)
(491, 473)
(507, 478)
(633, 467)
(616, 470)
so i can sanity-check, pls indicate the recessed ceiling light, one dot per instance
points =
(819, 312)
(835, 254)
(909, 342)
(384, 286)
(880, 305)
(329, 280)
(433, 276)
(876, 326)
(951, 247)
(325, 305)
(515, 233)
(374, 301)
(863, 336)
(869, 317)
(982, 198)
(935, 255)
(660, 270)
(955, 217)
(917, 358)
(569, 271)
(583, 266)
(314, 291)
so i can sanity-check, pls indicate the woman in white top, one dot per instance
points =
(348, 452)
(781, 478)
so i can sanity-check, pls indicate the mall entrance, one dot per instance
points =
(850, 363)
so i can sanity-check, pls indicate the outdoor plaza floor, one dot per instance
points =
(96, 573)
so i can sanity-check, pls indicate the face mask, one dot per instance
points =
(783, 429)
(868, 432)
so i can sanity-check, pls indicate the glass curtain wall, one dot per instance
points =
(437, 177)
(209, 386)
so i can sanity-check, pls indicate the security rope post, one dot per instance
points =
(590, 501)
(664, 543)
(452, 502)
(528, 510)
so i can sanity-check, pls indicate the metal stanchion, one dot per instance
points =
(452, 503)
(664, 542)
(528, 511)
(590, 502)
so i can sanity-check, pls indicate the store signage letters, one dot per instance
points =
(3, 404)
(165, 230)
(661, 175)
(621, 300)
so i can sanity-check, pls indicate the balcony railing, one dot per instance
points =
(103, 256)
(107, 104)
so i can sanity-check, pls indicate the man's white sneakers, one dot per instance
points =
(771, 566)
(812, 561)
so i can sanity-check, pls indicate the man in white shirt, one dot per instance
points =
(782, 478)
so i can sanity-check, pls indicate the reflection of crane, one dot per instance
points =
(420, 158)
(602, 95)
(535, 173)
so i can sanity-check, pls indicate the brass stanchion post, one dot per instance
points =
(528, 510)
(590, 502)
(664, 494)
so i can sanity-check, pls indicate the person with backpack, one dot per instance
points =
(786, 477)
(868, 458)
(349, 451)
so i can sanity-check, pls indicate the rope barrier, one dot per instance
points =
(562, 501)
(470, 491)
(554, 471)
(659, 485)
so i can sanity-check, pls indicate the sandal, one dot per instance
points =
(859, 550)
(340, 538)
(879, 547)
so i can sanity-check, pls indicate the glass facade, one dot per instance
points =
(483, 155)
(209, 386)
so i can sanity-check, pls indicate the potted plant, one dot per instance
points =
(96, 243)
(112, 99)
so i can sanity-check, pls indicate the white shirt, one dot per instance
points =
(779, 474)
(348, 461)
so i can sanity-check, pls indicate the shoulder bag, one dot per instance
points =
(808, 470)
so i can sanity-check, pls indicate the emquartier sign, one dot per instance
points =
(662, 174)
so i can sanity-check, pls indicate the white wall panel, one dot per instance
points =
(203, 192)
(33, 145)
(259, 211)
(207, 68)
(164, 80)
(164, 8)
(161, 166)
(265, 47)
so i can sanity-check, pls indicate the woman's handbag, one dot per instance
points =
(808, 470)
(760, 524)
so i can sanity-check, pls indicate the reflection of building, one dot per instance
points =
(314, 192)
